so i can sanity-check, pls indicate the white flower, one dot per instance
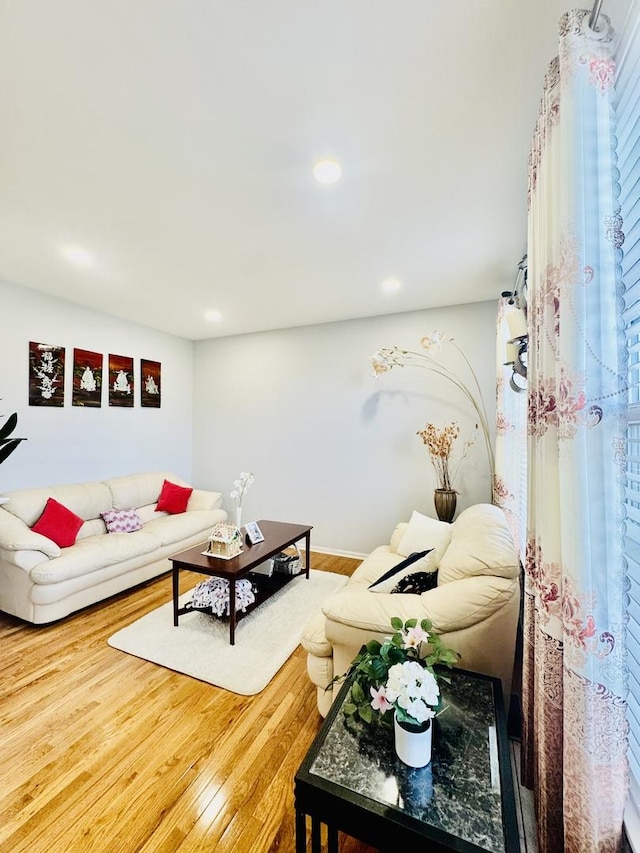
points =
(433, 342)
(241, 485)
(413, 688)
(414, 637)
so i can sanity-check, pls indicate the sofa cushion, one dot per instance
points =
(174, 528)
(424, 533)
(201, 499)
(92, 527)
(89, 555)
(481, 544)
(122, 520)
(138, 489)
(173, 498)
(58, 524)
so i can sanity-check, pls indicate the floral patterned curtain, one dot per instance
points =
(510, 480)
(574, 727)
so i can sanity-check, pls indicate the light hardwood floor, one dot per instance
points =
(101, 751)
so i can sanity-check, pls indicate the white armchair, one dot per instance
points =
(474, 607)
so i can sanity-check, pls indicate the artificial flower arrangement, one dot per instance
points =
(439, 444)
(393, 678)
(241, 485)
(386, 358)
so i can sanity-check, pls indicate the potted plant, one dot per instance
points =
(8, 445)
(439, 444)
(394, 683)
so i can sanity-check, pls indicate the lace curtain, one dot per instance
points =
(574, 708)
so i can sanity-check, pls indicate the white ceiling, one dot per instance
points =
(175, 140)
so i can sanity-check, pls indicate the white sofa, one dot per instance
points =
(41, 582)
(474, 607)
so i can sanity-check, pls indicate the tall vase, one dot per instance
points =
(445, 502)
(413, 743)
(238, 517)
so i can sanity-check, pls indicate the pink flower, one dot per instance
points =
(379, 701)
(414, 636)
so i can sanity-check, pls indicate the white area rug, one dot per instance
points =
(199, 646)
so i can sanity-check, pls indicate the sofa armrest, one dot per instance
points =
(449, 607)
(16, 536)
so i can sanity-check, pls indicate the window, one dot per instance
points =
(628, 133)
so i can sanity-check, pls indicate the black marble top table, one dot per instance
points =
(352, 780)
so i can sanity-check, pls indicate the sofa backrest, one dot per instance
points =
(481, 544)
(138, 490)
(87, 500)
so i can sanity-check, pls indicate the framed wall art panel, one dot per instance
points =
(120, 381)
(46, 374)
(87, 378)
(150, 383)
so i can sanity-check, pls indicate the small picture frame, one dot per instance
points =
(254, 534)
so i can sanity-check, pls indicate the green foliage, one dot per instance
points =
(8, 445)
(370, 668)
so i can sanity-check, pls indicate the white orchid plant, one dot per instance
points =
(386, 358)
(241, 485)
(398, 676)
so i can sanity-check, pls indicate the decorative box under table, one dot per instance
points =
(352, 781)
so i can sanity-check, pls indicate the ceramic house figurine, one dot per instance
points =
(225, 541)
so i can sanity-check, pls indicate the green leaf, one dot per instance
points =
(349, 709)
(426, 625)
(379, 670)
(366, 713)
(396, 623)
(411, 623)
(357, 693)
(8, 427)
(9, 446)
(373, 647)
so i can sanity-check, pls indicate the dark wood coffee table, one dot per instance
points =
(277, 536)
(352, 781)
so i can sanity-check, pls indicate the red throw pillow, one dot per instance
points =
(173, 498)
(58, 524)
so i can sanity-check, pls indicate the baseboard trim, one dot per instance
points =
(333, 552)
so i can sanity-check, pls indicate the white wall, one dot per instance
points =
(330, 445)
(74, 444)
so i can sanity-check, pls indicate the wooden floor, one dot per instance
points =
(102, 751)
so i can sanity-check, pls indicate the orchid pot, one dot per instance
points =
(413, 742)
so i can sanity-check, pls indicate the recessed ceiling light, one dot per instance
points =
(213, 316)
(78, 255)
(327, 171)
(391, 285)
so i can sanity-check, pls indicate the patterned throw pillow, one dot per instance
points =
(417, 583)
(122, 520)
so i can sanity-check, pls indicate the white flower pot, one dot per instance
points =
(238, 517)
(413, 748)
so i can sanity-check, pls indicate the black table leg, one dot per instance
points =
(301, 832)
(332, 839)
(232, 612)
(307, 560)
(176, 594)
(316, 825)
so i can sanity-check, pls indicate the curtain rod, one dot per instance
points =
(595, 14)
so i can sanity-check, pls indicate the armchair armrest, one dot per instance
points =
(16, 536)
